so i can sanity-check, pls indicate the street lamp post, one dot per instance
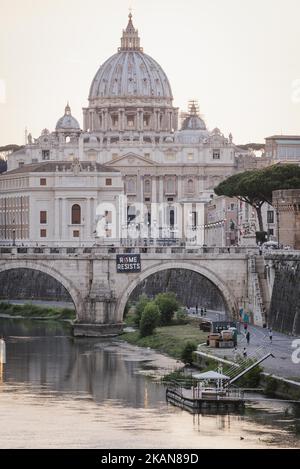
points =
(13, 232)
(277, 215)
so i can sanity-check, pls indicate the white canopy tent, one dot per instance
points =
(212, 375)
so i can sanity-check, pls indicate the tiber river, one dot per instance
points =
(60, 392)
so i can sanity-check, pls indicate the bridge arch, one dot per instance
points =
(228, 296)
(52, 272)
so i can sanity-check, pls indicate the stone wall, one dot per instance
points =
(27, 283)
(191, 288)
(284, 315)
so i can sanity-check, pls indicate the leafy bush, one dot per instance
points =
(187, 352)
(139, 308)
(167, 304)
(181, 317)
(150, 319)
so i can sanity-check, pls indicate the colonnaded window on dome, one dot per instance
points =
(114, 120)
(76, 214)
(147, 121)
(130, 121)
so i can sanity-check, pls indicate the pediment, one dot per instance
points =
(130, 159)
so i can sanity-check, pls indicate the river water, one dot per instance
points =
(61, 392)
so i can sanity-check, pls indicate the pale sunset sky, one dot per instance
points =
(239, 58)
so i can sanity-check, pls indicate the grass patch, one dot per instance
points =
(168, 339)
(34, 311)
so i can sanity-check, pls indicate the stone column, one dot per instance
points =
(56, 218)
(161, 189)
(87, 224)
(154, 189)
(65, 220)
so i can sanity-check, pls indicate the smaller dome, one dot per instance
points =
(67, 122)
(193, 123)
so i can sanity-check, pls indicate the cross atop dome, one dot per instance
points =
(130, 39)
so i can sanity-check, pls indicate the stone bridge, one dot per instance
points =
(100, 292)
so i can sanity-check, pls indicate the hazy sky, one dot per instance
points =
(239, 58)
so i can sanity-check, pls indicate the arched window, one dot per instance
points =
(76, 214)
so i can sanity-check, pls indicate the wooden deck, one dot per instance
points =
(195, 402)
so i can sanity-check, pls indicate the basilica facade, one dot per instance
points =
(133, 141)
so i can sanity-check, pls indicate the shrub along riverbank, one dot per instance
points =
(36, 312)
(168, 339)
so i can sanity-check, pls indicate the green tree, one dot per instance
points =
(150, 319)
(256, 187)
(187, 352)
(167, 304)
(139, 308)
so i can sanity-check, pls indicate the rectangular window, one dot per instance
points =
(45, 154)
(75, 233)
(190, 156)
(43, 216)
(108, 181)
(43, 182)
(43, 233)
(216, 154)
(21, 163)
(270, 216)
(231, 207)
(147, 155)
(271, 232)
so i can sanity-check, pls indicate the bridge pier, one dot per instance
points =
(96, 318)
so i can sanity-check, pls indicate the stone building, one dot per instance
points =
(130, 125)
(287, 205)
(55, 202)
(284, 148)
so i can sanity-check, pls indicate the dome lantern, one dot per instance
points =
(130, 39)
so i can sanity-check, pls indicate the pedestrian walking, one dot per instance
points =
(248, 337)
(271, 335)
(245, 352)
(201, 312)
(204, 311)
(197, 309)
(235, 354)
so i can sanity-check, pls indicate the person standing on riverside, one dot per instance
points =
(245, 352)
(271, 335)
(248, 337)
